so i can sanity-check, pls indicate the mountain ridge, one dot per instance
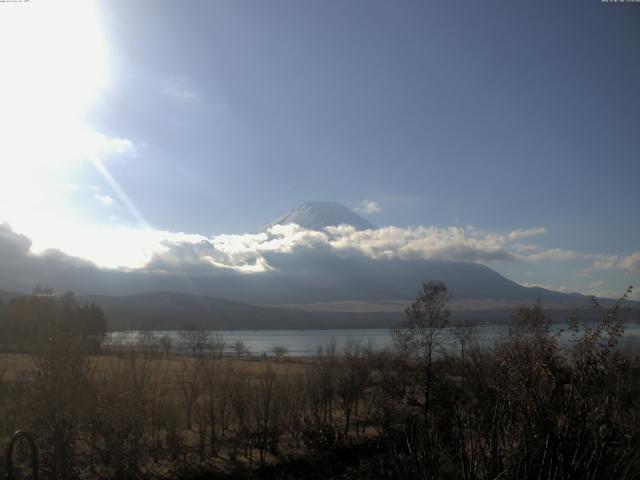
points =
(165, 310)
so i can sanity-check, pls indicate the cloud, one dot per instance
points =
(162, 251)
(100, 145)
(177, 88)
(266, 251)
(22, 269)
(13, 243)
(547, 286)
(602, 261)
(105, 200)
(628, 263)
(531, 232)
(553, 254)
(368, 206)
(284, 249)
(284, 264)
(453, 243)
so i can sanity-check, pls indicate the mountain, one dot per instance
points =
(317, 215)
(305, 286)
(172, 311)
(161, 310)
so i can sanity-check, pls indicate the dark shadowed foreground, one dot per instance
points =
(522, 410)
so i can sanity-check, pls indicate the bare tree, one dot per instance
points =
(122, 343)
(147, 342)
(352, 379)
(195, 338)
(321, 382)
(279, 351)
(418, 336)
(217, 344)
(240, 348)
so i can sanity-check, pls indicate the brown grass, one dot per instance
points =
(15, 366)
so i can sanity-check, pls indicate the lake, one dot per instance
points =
(306, 342)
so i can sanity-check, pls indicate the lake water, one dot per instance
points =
(306, 342)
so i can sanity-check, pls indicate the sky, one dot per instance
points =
(131, 127)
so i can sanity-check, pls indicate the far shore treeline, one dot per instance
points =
(28, 322)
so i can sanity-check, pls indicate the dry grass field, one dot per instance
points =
(19, 365)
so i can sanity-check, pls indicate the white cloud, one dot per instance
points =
(105, 146)
(547, 286)
(630, 263)
(135, 248)
(453, 243)
(602, 261)
(553, 254)
(108, 246)
(530, 232)
(105, 200)
(368, 206)
(248, 252)
(284, 248)
(281, 247)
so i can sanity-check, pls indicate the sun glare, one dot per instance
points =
(54, 59)
(54, 66)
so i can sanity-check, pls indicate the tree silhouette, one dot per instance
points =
(418, 335)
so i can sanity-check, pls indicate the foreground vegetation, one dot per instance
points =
(524, 409)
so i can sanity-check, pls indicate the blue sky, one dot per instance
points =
(216, 117)
(485, 112)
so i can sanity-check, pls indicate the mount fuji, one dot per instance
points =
(316, 215)
(306, 287)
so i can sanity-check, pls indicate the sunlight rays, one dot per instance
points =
(122, 196)
(55, 67)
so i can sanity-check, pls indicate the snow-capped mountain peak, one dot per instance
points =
(317, 215)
